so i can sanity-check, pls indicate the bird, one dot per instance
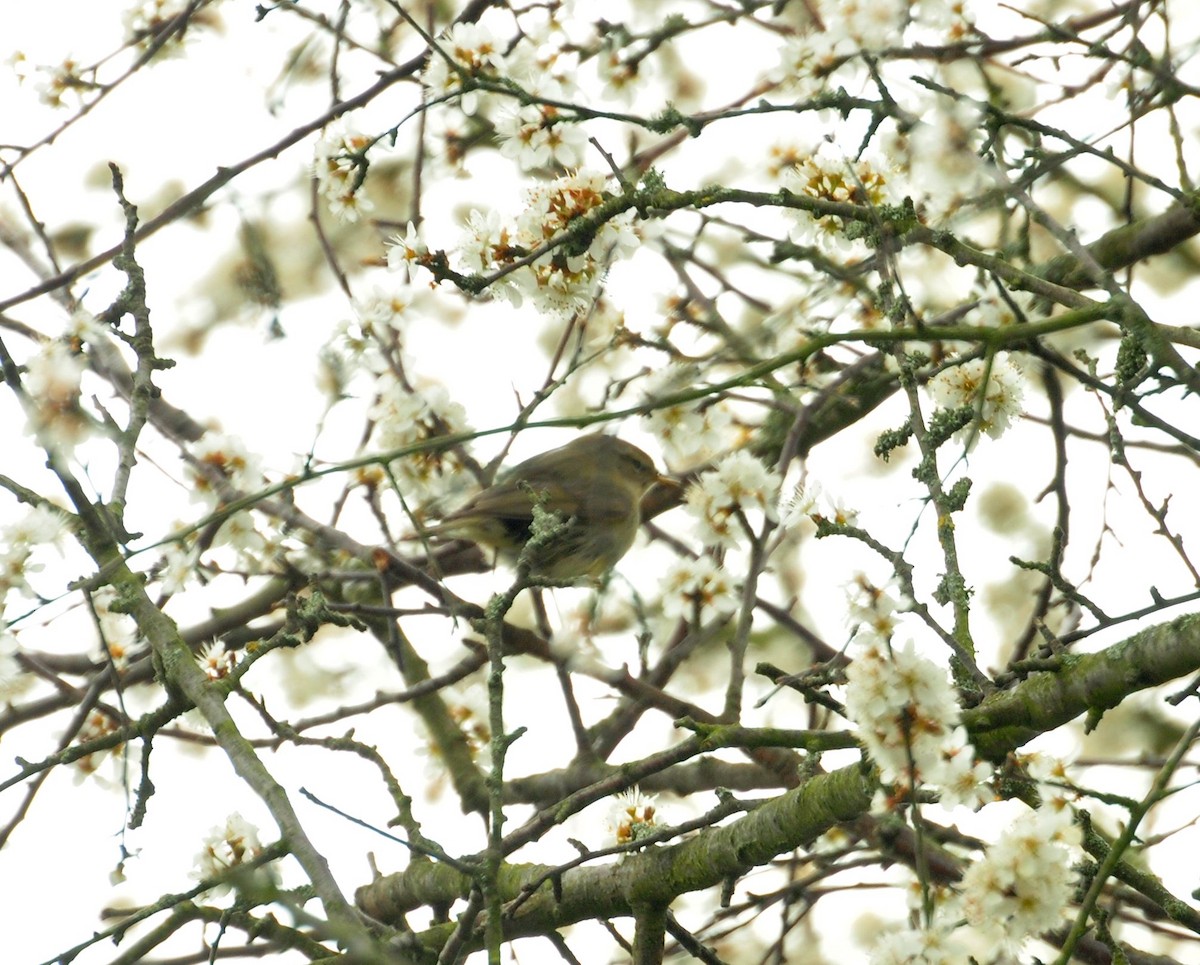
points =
(594, 486)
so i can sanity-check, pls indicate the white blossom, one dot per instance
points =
(177, 565)
(690, 432)
(216, 661)
(871, 24)
(908, 717)
(227, 458)
(339, 166)
(530, 136)
(806, 62)
(1022, 884)
(962, 384)
(920, 946)
(876, 607)
(119, 636)
(226, 846)
(698, 589)
(53, 373)
(61, 84)
(826, 176)
(38, 530)
(543, 67)
(380, 311)
(996, 311)
(723, 500)
(474, 50)
(621, 73)
(635, 816)
(941, 155)
(14, 678)
(406, 251)
(98, 725)
(560, 283)
(404, 418)
(146, 20)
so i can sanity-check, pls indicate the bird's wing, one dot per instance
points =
(510, 501)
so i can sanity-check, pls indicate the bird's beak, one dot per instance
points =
(665, 493)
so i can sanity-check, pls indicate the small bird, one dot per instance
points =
(593, 484)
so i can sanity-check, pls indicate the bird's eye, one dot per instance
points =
(640, 464)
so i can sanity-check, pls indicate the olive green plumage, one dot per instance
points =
(593, 484)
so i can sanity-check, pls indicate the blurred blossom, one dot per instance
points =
(119, 635)
(621, 75)
(938, 945)
(227, 846)
(145, 20)
(177, 565)
(39, 529)
(1000, 311)
(941, 154)
(98, 725)
(805, 64)
(698, 589)
(690, 432)
(82, 327)
(404, 418)
(53, 373)
(874, 606)
(53, 376)
(468, 710)
(1042, 766)
(228, 458)
(14, 679)
(61, 85)
(872, 24)
(380, 313)
(543, 68)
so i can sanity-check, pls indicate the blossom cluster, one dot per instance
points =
(909, 724)
(540, 261)
(406, 419)
(14, 679)
(227, 846)
(698, 589)
(908, 717)
(340, 166)
(20, 542)
(994, 386)
(1018, 888)
(724, 500)
(690, 432)
(824, 176)
(1022, 883)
